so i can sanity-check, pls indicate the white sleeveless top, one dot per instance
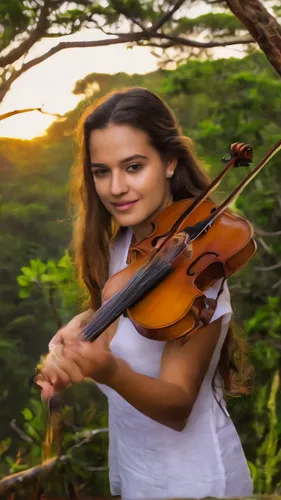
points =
(148, 460)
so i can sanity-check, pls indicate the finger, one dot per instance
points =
(57, 339)
(83, 355)
(52, 358)
(47, 390)
(56, 376)
(74, 371)
(72, 353)
(56, 350)
(69, 366)
(67, 335)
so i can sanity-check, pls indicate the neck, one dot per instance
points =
(145, 228)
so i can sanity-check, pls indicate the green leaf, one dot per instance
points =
(38, 266)
(28, 272)
(23, 281)
(24, 294)
(27, 413)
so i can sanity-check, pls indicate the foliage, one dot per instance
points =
(56, 281)
(33, 226)
(267, 464)
(217, 102)
(80, 448)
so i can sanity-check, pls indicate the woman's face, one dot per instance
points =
(131, 179)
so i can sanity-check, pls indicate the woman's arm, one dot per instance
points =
(52, 375)
(170, 399)
(167, 400)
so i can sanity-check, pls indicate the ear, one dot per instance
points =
(171, 167)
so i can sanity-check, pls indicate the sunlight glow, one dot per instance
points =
(50, 84)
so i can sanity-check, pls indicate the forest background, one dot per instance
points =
(218, 101)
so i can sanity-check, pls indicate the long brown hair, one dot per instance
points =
(94, 228)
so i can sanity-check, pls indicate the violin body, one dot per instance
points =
(178, 306)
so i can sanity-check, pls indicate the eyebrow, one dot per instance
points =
(126, 160)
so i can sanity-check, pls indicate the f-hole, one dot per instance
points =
(191, 267)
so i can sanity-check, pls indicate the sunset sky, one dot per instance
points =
(50, 84)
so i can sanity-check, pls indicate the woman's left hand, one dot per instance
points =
(75, 362)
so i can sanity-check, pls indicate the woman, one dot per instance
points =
(170, 433)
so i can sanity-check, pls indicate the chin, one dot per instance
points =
(126, 221)
(129, 220)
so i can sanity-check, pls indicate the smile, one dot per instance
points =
(124, 205)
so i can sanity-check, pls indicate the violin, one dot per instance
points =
(193, 244)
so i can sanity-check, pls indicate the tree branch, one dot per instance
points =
(132, 37)
(179, 40)
(269, 268)
(125, 12)
(261, 232)
(262, 26)
(28, 475)
(165, 17)
(166, 45)
(276, 285)
(57, 48)
(27, 110)
(265, 246)
(18, 478)
(120, 38)
(22, 434)
(36, 34)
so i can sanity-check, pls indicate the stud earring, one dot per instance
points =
(170, 174)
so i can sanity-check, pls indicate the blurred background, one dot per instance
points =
(57, 57)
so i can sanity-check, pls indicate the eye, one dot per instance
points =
(99, 172)
(134, 167)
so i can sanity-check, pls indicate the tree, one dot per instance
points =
(262, 26)
(163, 26)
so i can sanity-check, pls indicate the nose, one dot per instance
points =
(118, 183)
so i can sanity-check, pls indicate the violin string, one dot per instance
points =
(111, 305)
(147, 278)
(130, 295)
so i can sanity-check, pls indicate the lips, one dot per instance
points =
(124, 205)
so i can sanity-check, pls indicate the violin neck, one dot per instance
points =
(199, 228)
(146, 278)
(240, 155)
